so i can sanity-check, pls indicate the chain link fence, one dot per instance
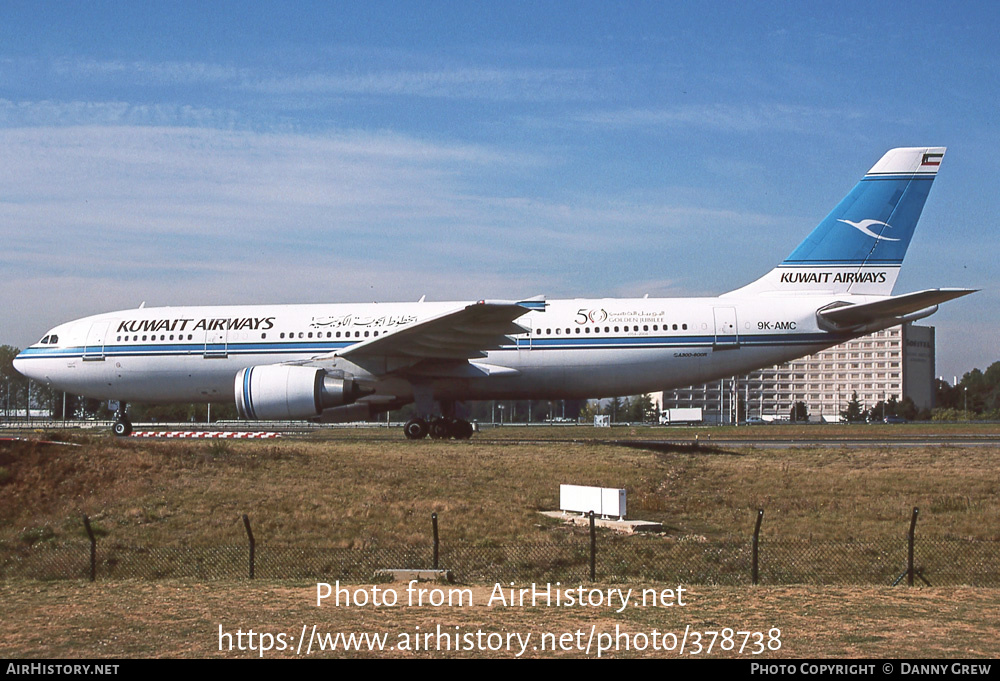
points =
(615, 558)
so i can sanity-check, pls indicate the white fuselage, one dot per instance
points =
(573, 348)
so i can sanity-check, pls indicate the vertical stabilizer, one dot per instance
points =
(859, 247)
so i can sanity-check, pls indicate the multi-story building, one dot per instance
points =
(896, 362)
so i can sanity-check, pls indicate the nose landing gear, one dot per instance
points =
(122, 426)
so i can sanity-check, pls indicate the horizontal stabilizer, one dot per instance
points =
(843, 316)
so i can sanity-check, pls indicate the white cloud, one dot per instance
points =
(722, 117)
(461, 83)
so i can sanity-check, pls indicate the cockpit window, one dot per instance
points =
(53, 339)
(44, 341)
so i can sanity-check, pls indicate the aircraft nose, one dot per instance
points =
(21, 365)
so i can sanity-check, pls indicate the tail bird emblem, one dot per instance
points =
(864, 226)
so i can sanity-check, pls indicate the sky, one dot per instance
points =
(182, 153)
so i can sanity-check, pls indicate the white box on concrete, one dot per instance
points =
(613, 502)
(603, 501)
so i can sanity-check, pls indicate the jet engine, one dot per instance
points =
(277, 391)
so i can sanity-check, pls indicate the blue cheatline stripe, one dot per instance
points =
(867, 264)
(678, 341)
(898, 176)
(247, 400)
(807, 264)
(192, 349)
(534, 343)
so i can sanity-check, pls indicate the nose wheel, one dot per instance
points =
(122, 426)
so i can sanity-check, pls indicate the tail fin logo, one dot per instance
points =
(864, 226)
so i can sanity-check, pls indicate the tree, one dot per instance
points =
(907, 409)
(799, 412)
(639, 409)
(15, 386)
(853, 413)
(590, 409)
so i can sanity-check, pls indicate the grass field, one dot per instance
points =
(353, 489)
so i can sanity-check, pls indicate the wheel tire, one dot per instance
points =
(440, 429)
(461, 429)
(415, 429)
(122, 428)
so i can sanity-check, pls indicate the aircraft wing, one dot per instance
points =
(847, 316)
(449, 338)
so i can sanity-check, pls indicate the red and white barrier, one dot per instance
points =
(206, 434)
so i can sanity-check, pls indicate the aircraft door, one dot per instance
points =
(726, 332)
(216, 343)
(93, 347)
(524, 342)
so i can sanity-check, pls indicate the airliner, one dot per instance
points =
(345, 362)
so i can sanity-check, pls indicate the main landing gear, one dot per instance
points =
(439, 428)
(122, 426)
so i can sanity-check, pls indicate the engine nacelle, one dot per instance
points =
(277, 392)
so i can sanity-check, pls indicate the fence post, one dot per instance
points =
(434, 523)
(593, 549)
(93, 548)
(253, 545)
(754, 573)
(909, 555)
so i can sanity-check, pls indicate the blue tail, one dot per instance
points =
(859, 246)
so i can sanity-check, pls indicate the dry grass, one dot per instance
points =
(350, 488)
(169, 619)
(349, 492)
